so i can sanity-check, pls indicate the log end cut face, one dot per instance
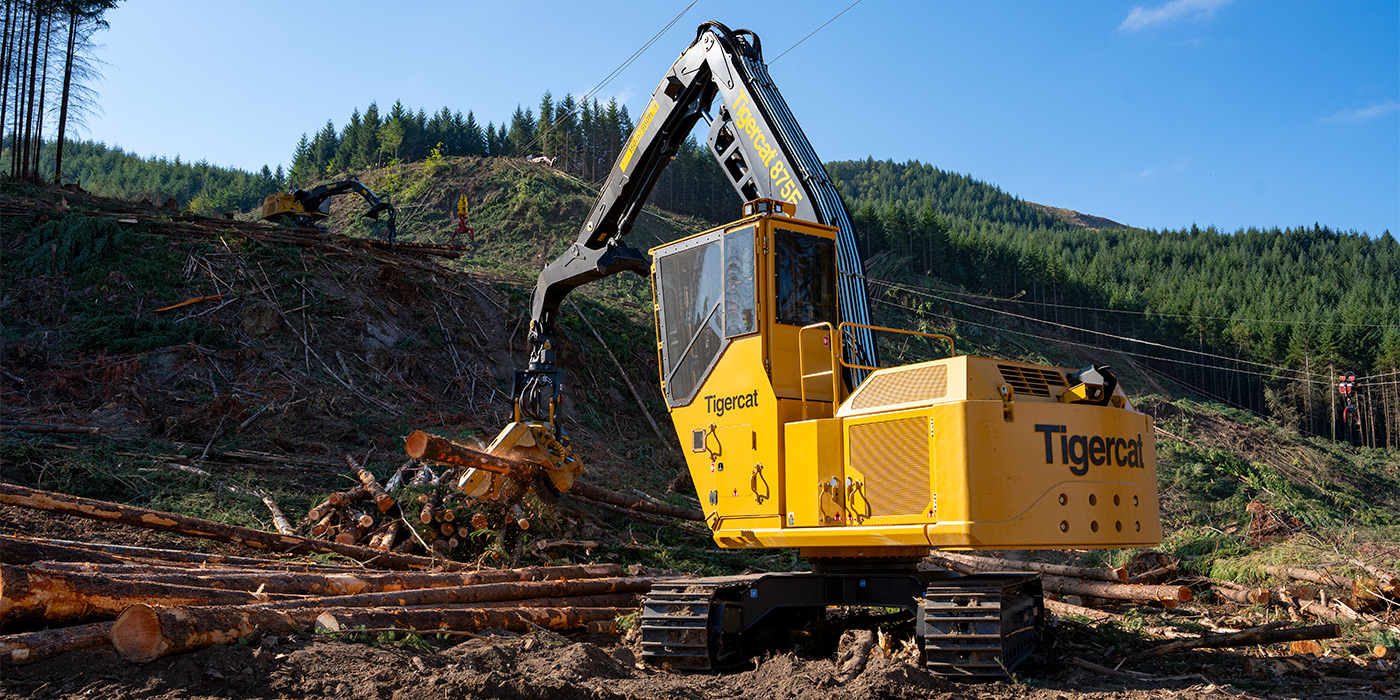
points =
(137, 634)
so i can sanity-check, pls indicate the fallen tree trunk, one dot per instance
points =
(1116, 575)
(144, 633)
(29, 647)
(96, 556)
(382, 500)
(57, 598)
(1318, 577)
(479, 593)
(1167, 596)
(18, 551)
(353, 582)
(1266, 634)
(207, 529)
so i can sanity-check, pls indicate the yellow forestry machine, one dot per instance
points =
(309, 207)
(794, 434)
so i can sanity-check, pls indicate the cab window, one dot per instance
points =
(805, 268)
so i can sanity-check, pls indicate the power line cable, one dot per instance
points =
(814, 31)
(894, 285)
(1192, 317)
(1120, 351)
(616, 71)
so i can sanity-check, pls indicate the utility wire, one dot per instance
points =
(1192, 317)
(989, 309)
(615, 72)
(814, 31)
(1103, 349)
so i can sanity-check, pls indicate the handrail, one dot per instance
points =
(802, 366)
(841, 332)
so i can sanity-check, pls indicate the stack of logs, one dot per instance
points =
(148, 603)
(434, 518)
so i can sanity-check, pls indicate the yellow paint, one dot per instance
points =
(784, 186)
(642, 127)
(950, 464)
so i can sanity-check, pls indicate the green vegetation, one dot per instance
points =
(201, 187)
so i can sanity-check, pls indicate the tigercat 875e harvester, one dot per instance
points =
(793, 434)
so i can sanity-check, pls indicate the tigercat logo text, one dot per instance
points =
(1080, 451)
(783, 184)
(718, 406)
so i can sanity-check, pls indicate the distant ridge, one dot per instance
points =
(1078, 219)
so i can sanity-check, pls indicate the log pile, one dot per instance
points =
(58, 596)
(419, 510)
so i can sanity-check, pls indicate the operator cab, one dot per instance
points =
(754, 284)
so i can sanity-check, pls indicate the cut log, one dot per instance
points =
(1234, 595)
(479, 593)
(1062, 609)
(29, 647)
(518, 514)
(342, 498)
(382, 500)
(1156, 575)
(279, 520)
(1389, 583)
(479, 521)
(1167, 596)
(325, 525)
(1318, 577)
(434, 448)
(429, 512)
(18, 551)
(59, 598)
(986, 563)
(1265, 634)
(98, 553)
(208, 529)
(391, 532)
(144, 633)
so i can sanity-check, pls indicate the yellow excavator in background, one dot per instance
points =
(796, 436)
(307, 208)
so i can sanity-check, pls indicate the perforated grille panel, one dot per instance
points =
(917, 384)
(1034, 381)
(893, 456)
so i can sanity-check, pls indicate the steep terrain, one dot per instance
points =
(297, 348)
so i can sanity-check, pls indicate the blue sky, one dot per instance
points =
(1159, 114)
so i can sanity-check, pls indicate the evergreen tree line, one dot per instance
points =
(1311, 300)
(1285, 310)
(203, 188)
(45, 66)
(582, 137)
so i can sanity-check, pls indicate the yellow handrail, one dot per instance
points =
(802, 366)
(841, 332)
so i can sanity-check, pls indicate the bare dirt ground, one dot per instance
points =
(547, 666)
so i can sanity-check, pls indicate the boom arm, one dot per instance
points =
(760, 148)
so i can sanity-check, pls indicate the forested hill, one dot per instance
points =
(199, 186)
(881, 183)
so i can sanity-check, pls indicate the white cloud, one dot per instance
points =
(1154, 172)
(1144, 17)
(1364, 113)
